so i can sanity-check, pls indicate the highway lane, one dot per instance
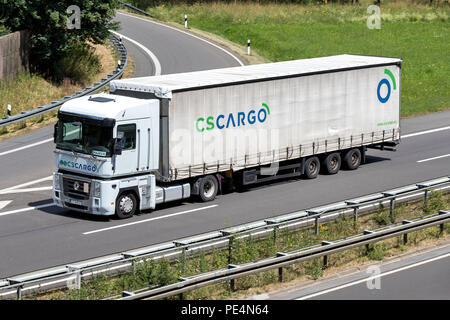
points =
(423, 276)
(50, 236)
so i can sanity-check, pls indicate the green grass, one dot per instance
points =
(420, 35)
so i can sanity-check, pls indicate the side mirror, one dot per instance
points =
(55, 132)
(117, 146)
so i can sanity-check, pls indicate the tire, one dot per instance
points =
(331, 163)
(126, 205)
(208, 187)
(312, 167)
(352, 159)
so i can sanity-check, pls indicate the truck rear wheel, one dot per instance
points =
(208, 187)
(331, 163)
(352, 159)
(126, 205)
(312, 167)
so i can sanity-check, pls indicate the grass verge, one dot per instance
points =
(417, 33)
(164, 272)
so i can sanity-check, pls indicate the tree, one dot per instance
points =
(50, 36)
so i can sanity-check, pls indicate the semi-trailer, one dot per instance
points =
(163, 138)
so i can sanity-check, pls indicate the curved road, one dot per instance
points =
(46, 236)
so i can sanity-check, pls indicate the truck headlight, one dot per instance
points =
(96, 189)
(56, 185)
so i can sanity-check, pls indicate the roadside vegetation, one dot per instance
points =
(163, 272)
(412, 30)
(27, 91)
(63, 58)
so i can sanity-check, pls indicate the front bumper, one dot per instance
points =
(87, 202)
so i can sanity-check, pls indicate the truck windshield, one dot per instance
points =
(79, 136)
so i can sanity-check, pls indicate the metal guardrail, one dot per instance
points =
(24, 115)
(71, 275)
(128, 5)
(283, 259)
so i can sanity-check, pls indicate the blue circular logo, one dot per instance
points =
(386, 98)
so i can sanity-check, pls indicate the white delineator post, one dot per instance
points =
(9, 110)
(248, 47)
(185, 21)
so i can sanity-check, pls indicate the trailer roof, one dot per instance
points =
(163, 86)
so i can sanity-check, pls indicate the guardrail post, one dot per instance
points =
(78, 280)
(230, 248)
(183, 262)
(77, 272)
(316, 229)
(441, 226)
(355, 214)
(232, 284)
(275, 235)
(391, 209)
(19, 292)
(366, 232)
(280, 269)
(405, 235)
(325, 257)
(425, 200)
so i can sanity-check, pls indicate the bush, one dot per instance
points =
(50, 38)
(376, 252)
(80, 64)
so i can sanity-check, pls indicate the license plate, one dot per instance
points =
(75, 202)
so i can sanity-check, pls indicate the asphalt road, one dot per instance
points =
(46, 236)
(424, 276)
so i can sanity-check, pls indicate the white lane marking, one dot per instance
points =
(189, 34)
(26, 147)
(424, 132)
(25, 190)
(27, 184)
(151, 219)
(373, 277)
(146, 50)
(26, 209)
(434, 158)
(3, 204)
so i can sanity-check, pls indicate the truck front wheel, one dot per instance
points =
(208, 187)
(126, 205)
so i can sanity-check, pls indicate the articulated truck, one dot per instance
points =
(158, 139)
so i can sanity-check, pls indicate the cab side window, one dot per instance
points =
(129, 136)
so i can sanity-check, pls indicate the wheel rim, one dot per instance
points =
(312, 167)
(334, 163)
(208, 189)
(126, 205)
(354, 158)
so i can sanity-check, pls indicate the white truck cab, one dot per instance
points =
(107, 146)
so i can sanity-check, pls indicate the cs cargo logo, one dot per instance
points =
(239, 119)
(382, 95)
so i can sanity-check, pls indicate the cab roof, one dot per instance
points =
(105, 106)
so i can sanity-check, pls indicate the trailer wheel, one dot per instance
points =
(312, 167)
(126, 205)
(332, 163)
(352, 159)
(208, 187)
